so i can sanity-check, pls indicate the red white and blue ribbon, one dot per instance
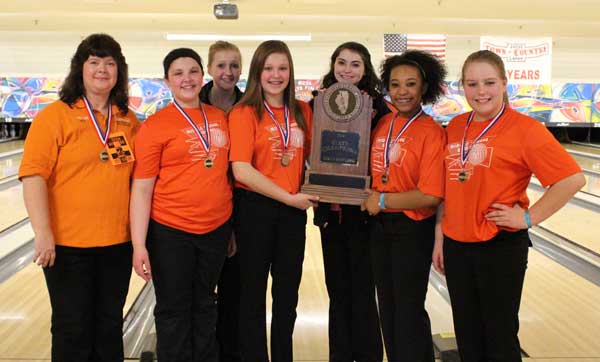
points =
(464, 151)
(103, 137)
(205, 141)
(388, 141)
(284, 132)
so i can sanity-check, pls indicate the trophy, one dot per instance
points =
(339, 157)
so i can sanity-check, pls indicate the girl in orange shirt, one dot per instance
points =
(270, 136)
(181, 203)
(491, 155)
(407, 170)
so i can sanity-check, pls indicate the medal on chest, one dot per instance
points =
(466, 151)
(103, 156)
(102, 136)
(389, 141)
(204, 138)
(284, 132)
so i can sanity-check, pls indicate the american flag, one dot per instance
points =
(396, 44)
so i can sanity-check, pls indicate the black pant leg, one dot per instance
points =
(500, 270)
(210, 250)
(367, 345)
(228, 310)
(255, 232)
(286, 272)
(405, 247)
(354, 332)
(459, 264)
(113, 270)
(411, 249)
(336, 265)
(485, 282)
(382, 269)
(172, 259)
(72, 293)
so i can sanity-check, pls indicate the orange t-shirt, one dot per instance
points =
(88, 199)
(416, 160)
(260, 144)
(498, 170)
(187, 195)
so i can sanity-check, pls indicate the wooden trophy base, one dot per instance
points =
(349, 190)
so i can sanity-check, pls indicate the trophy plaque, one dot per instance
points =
(339, 157)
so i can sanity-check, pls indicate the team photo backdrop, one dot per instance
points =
(559, 104)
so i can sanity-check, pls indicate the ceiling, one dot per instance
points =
(324, 19)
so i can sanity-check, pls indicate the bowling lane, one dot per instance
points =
(11, 145)
(587, 163)
(10, 166)
(572, 222)
(582, 148)
(25, 315)
(560, 312)
(592, 185)
(13, 209)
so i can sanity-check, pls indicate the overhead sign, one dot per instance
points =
(527, 60)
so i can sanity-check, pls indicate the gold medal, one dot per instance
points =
(384, 178)
(103, 156)
(285, 160)
(208, 163)
(462, 176)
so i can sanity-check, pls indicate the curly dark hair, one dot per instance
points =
(369, 82)
(431, 69)
(98, 45)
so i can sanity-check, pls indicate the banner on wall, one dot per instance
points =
(527, 60)
(396, 44)
(556, 105)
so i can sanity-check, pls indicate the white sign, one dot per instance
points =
(527, 60)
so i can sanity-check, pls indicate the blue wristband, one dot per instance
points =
(527, 219)
(381, 201)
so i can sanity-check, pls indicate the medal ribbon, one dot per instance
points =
(388, 141)
(284, 133)
(205, 141)
(464, 151)
(103, 137)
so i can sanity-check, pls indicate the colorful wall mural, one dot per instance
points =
(559, 104)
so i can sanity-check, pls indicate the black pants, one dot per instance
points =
(354, 333)
(271, 237)
(228, 291)
(401, 250)
(87, 288)
(485, 281)
(185, 270)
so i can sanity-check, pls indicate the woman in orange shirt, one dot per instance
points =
(76, 190)
(408, 184)
(181, 203)
(270, 138)
(491, 154)
(225, 67)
